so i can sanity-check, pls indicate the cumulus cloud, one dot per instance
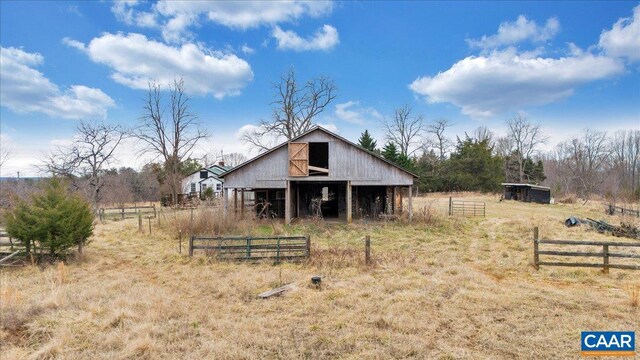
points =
(523, 29)
(136, 60)
(176, 17)
(247, 49)
(505, 80)
(623, 40)
(26, 90)
(352, 112)
(325, 39)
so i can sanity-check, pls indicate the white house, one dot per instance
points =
(197, 182)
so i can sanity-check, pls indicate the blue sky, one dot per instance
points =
(567, 65)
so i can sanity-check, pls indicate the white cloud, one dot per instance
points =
(505, 80)
(176, 17)
(247, 49)
(26, 90)
(136, 60)
(623, 40)
(511, 33)
(352, 112)
(325, 38)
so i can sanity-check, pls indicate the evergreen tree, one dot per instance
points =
(54, 219)
(390, 152)
(473, 167)
(367, 142)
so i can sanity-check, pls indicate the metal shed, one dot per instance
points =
(319, 173)
(526, 193)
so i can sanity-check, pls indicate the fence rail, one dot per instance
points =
(127, 212)
(605, 255)
(253, 248)
(467, 208)
(612, 210)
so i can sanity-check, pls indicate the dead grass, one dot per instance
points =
(444, 288)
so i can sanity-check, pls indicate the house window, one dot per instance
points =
(218, 187)
(193, 187)
(319, 159)
(204, 186)
(203, 174)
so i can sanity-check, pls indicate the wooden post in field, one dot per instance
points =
(155, 214)
(191, 224)
(450, 206)
(123, 213)
(139, 221)
(308, 245)
(191, 245)
(159, 214)
(605, 255)
(149, 225)
(536, 257)
(367, 250)
(180, 243)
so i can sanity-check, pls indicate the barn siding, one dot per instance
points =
(346, 163)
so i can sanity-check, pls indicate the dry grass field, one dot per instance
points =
(439, 288)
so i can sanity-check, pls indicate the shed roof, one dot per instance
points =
(527, 185)
(317, 128)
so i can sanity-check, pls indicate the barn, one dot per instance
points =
(526, 193)
(319, 174)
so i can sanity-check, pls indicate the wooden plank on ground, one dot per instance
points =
(277, 291)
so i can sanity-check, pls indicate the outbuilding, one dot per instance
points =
(526, 193)
(319, 174)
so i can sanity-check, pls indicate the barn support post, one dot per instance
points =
(349, 205)
(235, 203)
(410, 203)
(287, 203)
(226, 201)
(242, 203)
(393, 201)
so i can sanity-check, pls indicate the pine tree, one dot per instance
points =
(390, 152)
(367, 142)
(55, 219)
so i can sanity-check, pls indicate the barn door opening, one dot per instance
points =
(298, 159)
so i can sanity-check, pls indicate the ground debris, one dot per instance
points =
(277, 291)
(624, 230)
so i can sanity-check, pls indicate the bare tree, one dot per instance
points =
(294, 112)
(87, 157)
(625, 146)
(525, 138)
(233, 159)
(171, 138)
(5, 154)
(586, 157)
(404, 129)
(482, 133)
(436, 137)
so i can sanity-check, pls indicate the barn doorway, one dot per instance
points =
(326, 200)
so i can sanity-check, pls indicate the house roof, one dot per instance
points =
(317, 128)
(218, 169)
(527, 185)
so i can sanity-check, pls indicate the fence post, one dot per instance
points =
(450, 206)
(139, 221)
(154, 211)
(180, 243)
(278, 251)
(248, 255)
(149, 226)
(536, 257)
(605, 255)
(191, 245)
(367, 249)
(123, 213)
(308, 246)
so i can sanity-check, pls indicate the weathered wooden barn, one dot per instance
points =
(526, 193)
(319, 174)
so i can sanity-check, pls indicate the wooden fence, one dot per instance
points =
(253, 248)
(466, 208)
(127, 212)
(624, 251)
(612, 210)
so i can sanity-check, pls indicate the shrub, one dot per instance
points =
(54, 219)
